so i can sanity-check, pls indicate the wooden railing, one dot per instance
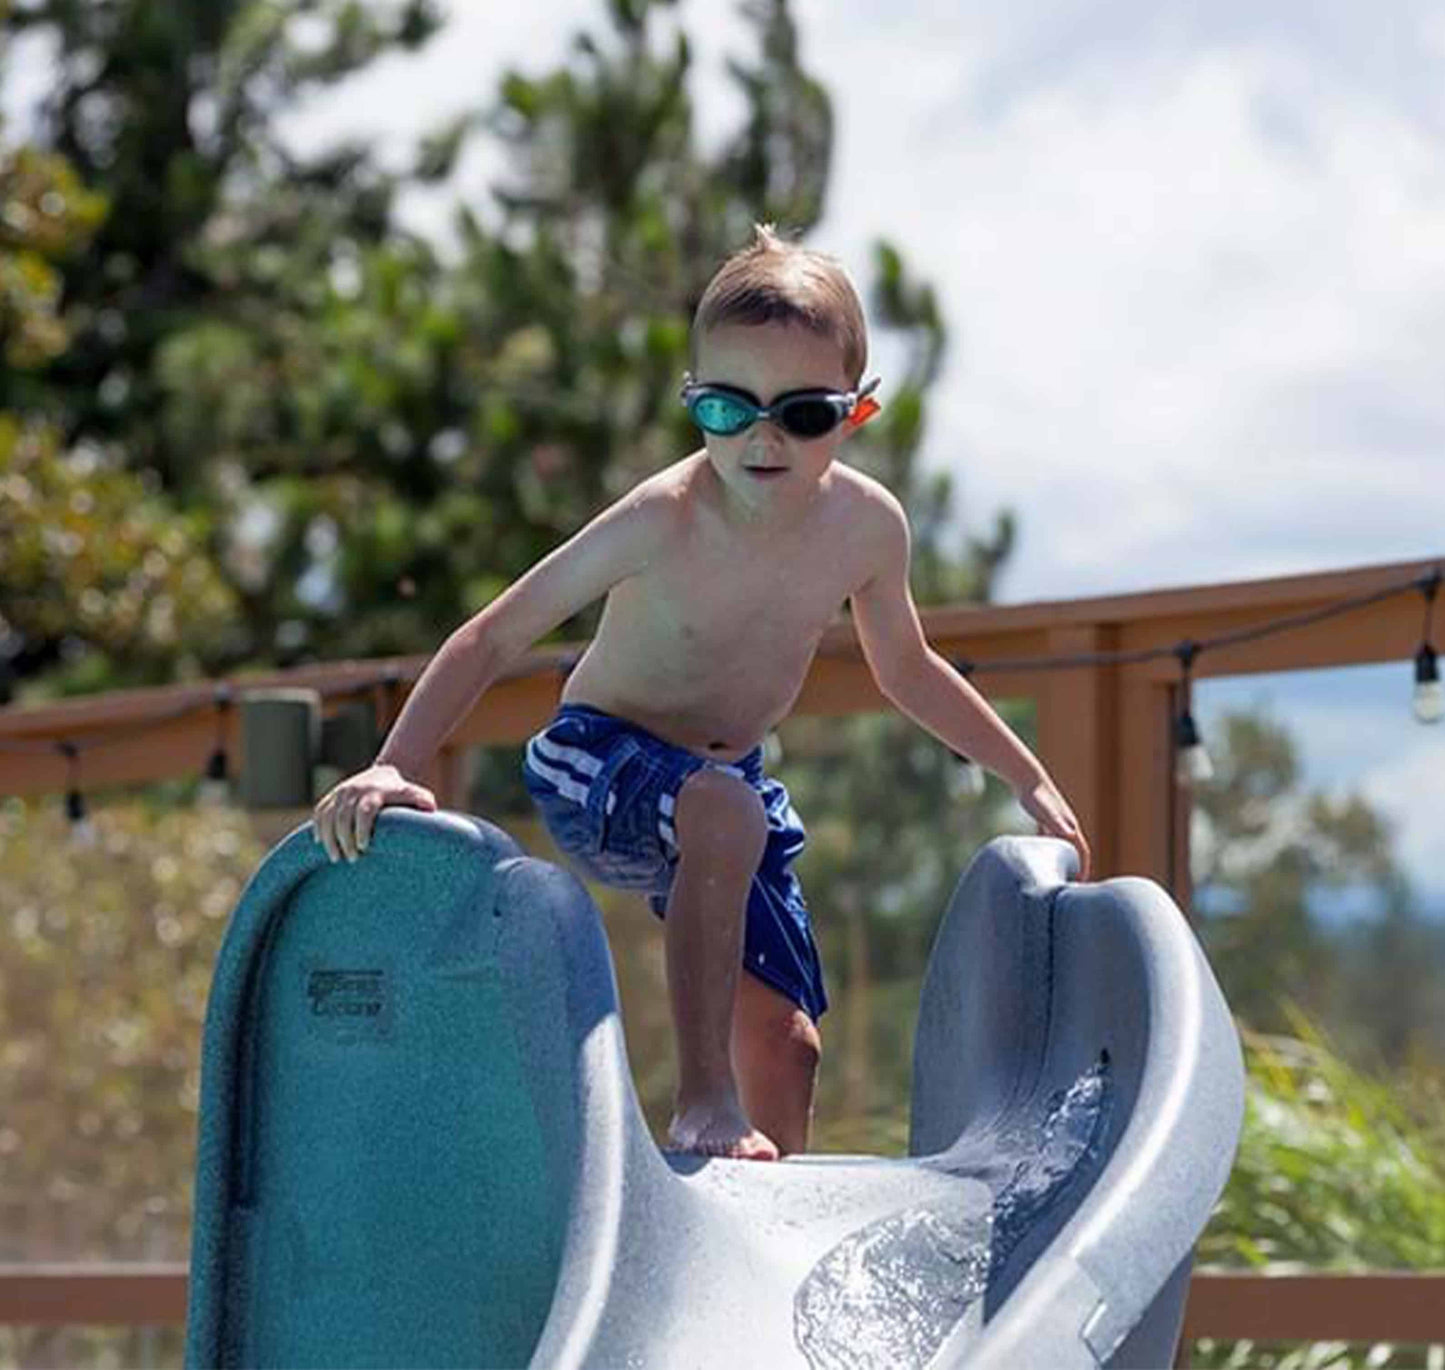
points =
(1105, 732)
(1406, 1308)
(1105, 728)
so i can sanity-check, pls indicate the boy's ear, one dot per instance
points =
(862, 412)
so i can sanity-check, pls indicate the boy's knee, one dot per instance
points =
(720, 812)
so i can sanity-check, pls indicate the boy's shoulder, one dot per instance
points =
(875, 512)
(867, 491)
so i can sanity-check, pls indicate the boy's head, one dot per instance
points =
(772, 281)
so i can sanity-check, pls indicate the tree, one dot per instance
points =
(84, 548)
(169, 112)
(1263, 854)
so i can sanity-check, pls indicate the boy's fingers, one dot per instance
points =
(346, 831)
(323, 825)
(366, 820)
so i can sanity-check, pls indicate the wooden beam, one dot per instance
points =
(93, 1294)
(1396, 1306)
(1368, 1306)
(135, 736)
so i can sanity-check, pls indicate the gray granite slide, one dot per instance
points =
(419, 1142)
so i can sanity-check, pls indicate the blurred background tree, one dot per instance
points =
(196, 317)
(254, 336)
(1264, 854)
(81, 542)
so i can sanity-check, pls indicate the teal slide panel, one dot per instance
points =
(374, 1183)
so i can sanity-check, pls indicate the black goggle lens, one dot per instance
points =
(810, 418)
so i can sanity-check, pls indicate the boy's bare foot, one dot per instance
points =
(717, 1128)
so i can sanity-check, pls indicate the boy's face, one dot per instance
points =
(764, 466)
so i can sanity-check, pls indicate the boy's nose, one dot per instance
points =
(765, 436)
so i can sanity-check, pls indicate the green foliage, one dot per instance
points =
(302, 384)
(46, 216)
(182, 345)
(245, 420)
(1333, 1172)
(87, 549)
(1262, 853)
(106, 955)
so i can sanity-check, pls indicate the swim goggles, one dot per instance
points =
(725, 410)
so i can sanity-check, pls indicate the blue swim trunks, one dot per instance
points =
(606, 788)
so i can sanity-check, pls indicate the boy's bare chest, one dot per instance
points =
(712, 593)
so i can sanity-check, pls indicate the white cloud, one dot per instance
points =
(1149, 286)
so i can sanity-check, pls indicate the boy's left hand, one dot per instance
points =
(1043, 803)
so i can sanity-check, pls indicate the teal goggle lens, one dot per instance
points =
(716, 411)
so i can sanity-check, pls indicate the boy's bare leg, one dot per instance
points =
(721, 831)
(776, 1049)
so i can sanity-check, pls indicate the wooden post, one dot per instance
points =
(1146, 790)
(1078, 739)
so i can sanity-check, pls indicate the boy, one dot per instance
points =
(721, 573)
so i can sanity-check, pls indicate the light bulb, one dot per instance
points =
(966, 780)
(82, 830)
(215, 788)
(1428, 702)
(1193, 765)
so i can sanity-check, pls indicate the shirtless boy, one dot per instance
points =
(721, 573)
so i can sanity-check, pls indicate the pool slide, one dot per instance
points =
(419, 1143)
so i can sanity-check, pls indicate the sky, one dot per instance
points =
(1192, 262)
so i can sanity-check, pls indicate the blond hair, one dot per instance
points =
(772, 280)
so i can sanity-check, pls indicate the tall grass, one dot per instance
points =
(1335, 1171)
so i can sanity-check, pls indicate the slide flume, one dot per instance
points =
(419, 1142)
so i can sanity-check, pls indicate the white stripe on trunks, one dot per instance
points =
(564, 784)
(584, 763)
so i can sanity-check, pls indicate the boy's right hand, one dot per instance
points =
(346, 814)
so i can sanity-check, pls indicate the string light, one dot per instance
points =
(82, 830)
(1193, 765)
(215, 789)
(1428, 701)
(966, 780)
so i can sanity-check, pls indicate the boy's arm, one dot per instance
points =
(913, 676)
(614, 545)
(926, 688)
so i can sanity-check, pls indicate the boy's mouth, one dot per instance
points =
(765, 471)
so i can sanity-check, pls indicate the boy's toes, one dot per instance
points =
(720, 1132)
(756, 1146)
